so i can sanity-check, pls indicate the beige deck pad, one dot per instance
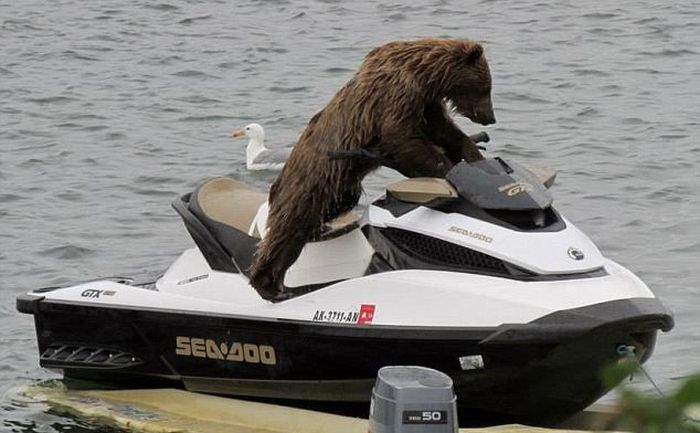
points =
(421, 189)
(546, 175)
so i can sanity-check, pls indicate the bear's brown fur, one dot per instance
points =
(395, 103)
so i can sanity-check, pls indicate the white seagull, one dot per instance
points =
(257, 156)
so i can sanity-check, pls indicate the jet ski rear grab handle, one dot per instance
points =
(373, 154)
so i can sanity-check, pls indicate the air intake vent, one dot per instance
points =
(442, 253)
(71, 356)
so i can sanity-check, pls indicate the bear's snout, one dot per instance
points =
(483, 113)
(488, 119)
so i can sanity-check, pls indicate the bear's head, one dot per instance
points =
(470, 92)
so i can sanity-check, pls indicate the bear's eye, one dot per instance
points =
(247, 129)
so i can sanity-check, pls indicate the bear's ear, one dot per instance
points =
(474, 53)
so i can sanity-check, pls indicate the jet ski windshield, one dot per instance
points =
(499, 185)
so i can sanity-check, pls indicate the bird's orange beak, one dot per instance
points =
(238, 133)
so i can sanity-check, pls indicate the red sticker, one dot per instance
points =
(366, 314)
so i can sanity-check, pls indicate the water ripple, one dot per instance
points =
(190, 73)
(7, 198)
(67, 252)
(53, 100)
(165, 7)
(206, 118)
(192, 20)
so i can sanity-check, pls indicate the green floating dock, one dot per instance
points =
(172, 410)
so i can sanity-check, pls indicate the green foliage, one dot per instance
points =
(678, 412)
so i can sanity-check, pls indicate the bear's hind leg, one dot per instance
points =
(268, 270)
(281, 246)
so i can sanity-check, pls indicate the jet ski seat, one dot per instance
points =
(236, 204)
(229, 202)
(226, 218)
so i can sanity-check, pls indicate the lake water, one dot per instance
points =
(109, 110)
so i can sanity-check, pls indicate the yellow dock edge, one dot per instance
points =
(172, 410)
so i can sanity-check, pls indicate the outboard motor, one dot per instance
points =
(408, 399)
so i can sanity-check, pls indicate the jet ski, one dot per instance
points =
(475, 274)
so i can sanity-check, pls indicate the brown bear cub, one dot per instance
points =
(394, 104)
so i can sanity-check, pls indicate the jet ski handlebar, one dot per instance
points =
(372, 154)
